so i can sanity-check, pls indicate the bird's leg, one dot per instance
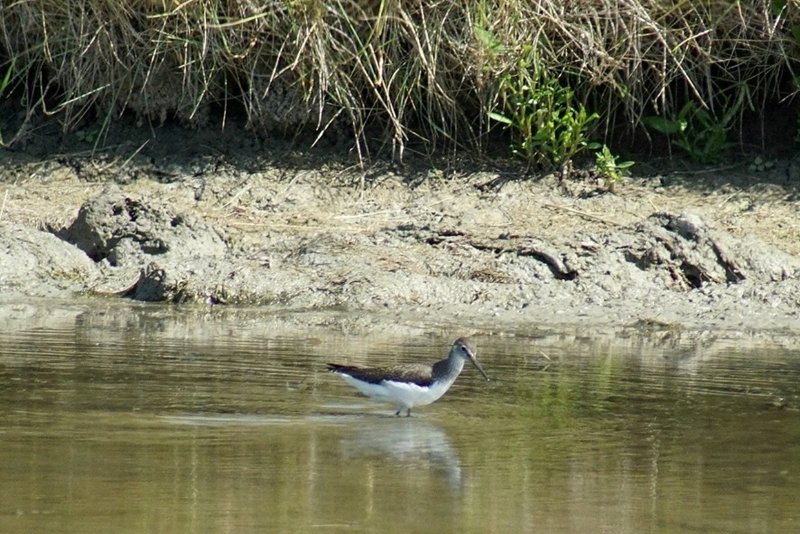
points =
(408, 413)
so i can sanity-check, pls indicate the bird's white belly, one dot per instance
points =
(409, 395)
(405, 394)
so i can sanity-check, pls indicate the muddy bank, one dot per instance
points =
(703, 251)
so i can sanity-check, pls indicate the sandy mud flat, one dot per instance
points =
(176, 220)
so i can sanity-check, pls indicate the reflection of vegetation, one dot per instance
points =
(619, 420)
(595, 439)
(562, 396)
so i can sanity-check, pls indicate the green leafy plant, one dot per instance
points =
(608, 166)
(695, 130)
(548, 124)
(797, 130)
(4, 83)
(89, 134)
(761, 164)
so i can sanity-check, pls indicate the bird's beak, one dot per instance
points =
(478, 366)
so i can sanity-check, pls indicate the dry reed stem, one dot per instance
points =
(415, 70)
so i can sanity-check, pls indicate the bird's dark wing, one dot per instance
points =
(419, 374)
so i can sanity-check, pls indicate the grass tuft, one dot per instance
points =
(396, 73)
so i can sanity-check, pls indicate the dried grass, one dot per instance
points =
(414, 71)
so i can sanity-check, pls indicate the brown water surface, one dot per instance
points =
(154, 419)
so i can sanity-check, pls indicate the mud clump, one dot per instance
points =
(129, 235)
(37, 263)
(690, 254)
(125, 230)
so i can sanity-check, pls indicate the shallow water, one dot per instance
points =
(154, 419)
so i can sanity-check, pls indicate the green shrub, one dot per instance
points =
(548, 125)
(696, 130)
(608, 167)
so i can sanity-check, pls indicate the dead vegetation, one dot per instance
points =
(394, 71)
